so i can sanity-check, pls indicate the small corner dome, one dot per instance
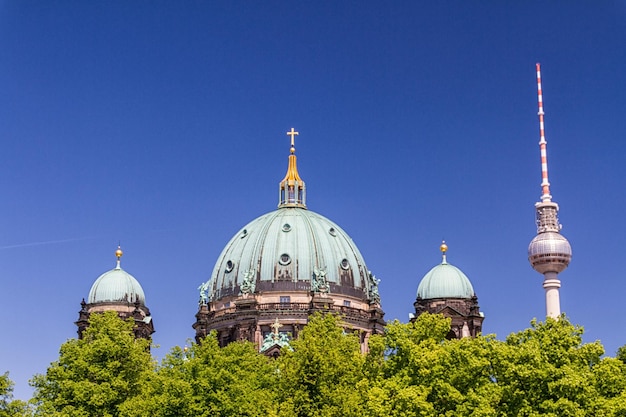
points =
(116, 285)
(445, 281)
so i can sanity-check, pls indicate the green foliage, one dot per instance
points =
(411, 370)
(321, 376)
(96, 374)
(208, 381)
(8, 406)
(621, 354)
(545, 370)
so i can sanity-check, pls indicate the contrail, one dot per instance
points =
(76, 239)
(47, 242)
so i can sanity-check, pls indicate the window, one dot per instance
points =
(284, 259)
(346, 303)
(285, 299)
(345, 264)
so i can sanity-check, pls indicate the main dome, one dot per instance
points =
(284, 249)
(283, 267)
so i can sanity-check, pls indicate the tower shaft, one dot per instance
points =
(551, 284)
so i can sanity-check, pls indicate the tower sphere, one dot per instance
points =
(549, 252)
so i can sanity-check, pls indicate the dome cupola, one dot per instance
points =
(116, 285)
(446, 290)
(117, 290)
(445, 281)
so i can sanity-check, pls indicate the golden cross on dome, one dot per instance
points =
(276, 324)
(293, 134)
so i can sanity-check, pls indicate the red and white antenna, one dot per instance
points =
(545, 184)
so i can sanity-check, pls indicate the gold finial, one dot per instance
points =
(443, 248)
(293, 134)
(118, 255)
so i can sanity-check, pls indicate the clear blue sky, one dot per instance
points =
(162, 125)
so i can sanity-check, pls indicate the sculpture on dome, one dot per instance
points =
(319, 283)
(248, 285)
(373, 292)
(204, 293)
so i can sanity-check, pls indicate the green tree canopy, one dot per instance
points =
(8, 406)
(207, 380)
(321, 376)
(96, 374)
(545, 370)
(411, 370)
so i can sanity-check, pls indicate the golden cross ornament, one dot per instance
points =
(276, 326)
(293, 134)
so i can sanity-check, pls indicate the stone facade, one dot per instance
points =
(140, 314)
(467, 320)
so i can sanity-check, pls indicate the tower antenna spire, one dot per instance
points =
(545, 184)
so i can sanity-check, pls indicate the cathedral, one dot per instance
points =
(290, 263)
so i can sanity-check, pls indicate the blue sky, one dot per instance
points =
(162, 125)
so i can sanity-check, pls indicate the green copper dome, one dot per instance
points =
(445, 281)
(291, 250)
(116, 285)
(288, 246)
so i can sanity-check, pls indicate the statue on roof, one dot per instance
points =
(373, 292)
(319, 283)
(204, 293)
(248, 285)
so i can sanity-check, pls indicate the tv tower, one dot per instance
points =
(549, 252)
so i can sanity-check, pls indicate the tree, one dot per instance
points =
(8, 406)
(411, 370)
(545, 370)
(323, 373)
(96, 374)
(411, 374)
(207, 380)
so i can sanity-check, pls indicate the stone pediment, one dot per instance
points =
(449, 311)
